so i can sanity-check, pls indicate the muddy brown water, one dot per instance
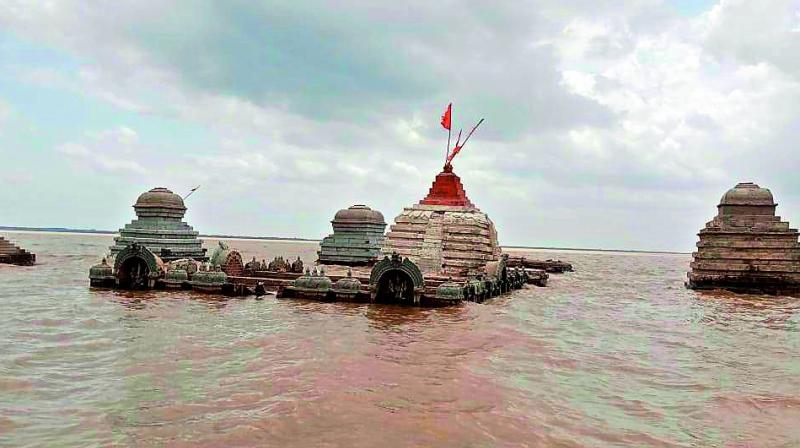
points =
(617, 353)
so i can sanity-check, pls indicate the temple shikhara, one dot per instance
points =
(358, 234)
(445, 233)
(159, 228)
(159, 250)
(746, 247)
(440, 251)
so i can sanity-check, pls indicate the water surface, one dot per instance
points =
(617, 353)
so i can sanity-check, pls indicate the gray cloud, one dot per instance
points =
(614, 124)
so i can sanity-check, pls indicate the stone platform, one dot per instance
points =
(11, 254)
(549, 266)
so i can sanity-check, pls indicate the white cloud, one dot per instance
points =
(591, 107)
(6, 112)
(112, 150)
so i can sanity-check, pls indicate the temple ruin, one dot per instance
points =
(159, 228)
(445, 233)
(159, 250)
(746, 248)
(358, 234)
(12, 254)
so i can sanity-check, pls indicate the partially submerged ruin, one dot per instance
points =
(441, 251)
(12, 254)
(358, 234)
(746, 247)
(159, 250)
(445, 233)
(160, 228)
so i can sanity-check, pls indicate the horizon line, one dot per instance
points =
(284, 238)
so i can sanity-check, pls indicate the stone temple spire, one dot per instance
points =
(357, 237)
(444, 233)
(447, 190)
(159, 227)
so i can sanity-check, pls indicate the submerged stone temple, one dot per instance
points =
(12, 254)
(159, 228)
(746, 248)
(445, 233)
(159, 250)
(440, 251)
(358, 234)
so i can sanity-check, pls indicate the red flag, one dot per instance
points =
(453, 153)
(446, 117)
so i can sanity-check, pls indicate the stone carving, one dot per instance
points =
(297, 265)
(278, 265)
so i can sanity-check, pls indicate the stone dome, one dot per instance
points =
(348, 283)
(177, 275)
(209, 278)
(450, 291)
(100, 270)
(318, 282)
(747, 193)
(159, 202)
(359, 214)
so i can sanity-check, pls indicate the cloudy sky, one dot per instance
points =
(609, 123)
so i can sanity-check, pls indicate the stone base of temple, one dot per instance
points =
(747, 283)
(394, 280)
(549, 266)
(136, 267)
(11, 254)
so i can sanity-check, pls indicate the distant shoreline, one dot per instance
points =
(109, 232)
(308, 240)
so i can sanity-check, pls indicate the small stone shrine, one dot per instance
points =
(160, 251)
(746, 248)
(159, 228)
(357, 237)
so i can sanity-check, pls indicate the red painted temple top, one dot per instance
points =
(447, 190)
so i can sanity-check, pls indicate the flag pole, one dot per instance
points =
(191, 191)
(449, 132)
(447, 153)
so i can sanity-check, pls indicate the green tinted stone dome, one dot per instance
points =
(320, 283)
(160, 202)
(313, 282)
(748, 193)
(177, 275)
(100, 270)
(359, 214)
(348, 284)
(210, 277)
(450, 291)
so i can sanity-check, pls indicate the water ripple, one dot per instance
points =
(617, 353)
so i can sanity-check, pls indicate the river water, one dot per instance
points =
(617, 353)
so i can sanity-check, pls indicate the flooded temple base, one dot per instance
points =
(12, 254)
(160, 251)
(746, 247)
(439, 252)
